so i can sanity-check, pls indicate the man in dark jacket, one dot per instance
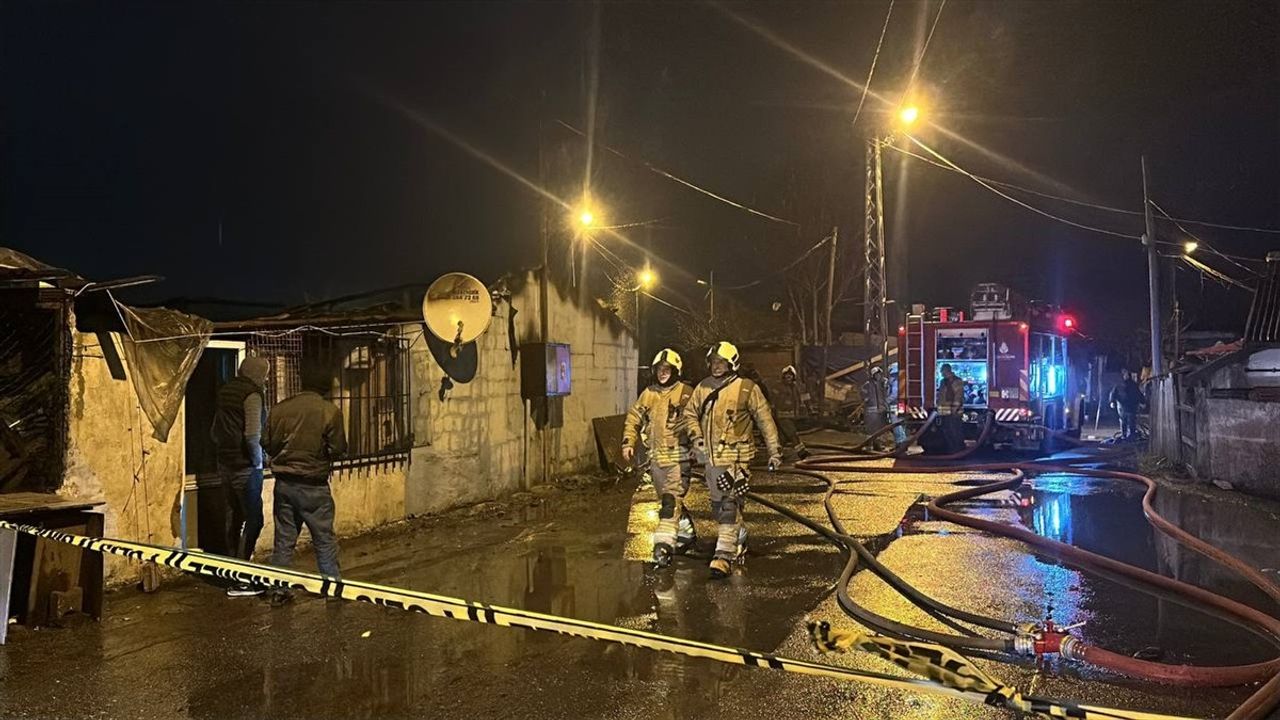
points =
(1126, 398)
(238, 418)
(304, 437)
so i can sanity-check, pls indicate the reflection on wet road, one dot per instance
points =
(190, 652)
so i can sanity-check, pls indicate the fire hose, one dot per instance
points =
(1051, 639)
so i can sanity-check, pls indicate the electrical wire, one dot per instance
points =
(782, 271)
(1202, 243)
(653, 168)
(915, 71)
(865, 86)
(1018, 202)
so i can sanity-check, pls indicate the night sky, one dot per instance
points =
(133, 131)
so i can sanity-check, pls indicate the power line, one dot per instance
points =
(653, 168)
(1018, 202)
(874, 58)
(783, 270)
(1201, 243)
(1095, 206)
(915, 71)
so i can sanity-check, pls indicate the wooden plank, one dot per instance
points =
(25, 503)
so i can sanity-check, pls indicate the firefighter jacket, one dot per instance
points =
(790, 402)
(950, 396)
(659, 413)
(720, 413)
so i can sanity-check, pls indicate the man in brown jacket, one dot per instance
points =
(304, 436)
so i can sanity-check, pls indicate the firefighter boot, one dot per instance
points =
(664, 537)
(730, 540)
(686, 535)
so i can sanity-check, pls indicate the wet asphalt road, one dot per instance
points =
(188, 651)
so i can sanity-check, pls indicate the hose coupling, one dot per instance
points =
(1071, 648)
(1024, 643)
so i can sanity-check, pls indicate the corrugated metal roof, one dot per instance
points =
(1263, 325)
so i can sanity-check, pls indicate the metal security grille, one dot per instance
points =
(34, 356)
(369, 382)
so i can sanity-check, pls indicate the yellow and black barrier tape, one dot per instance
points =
(983, 691)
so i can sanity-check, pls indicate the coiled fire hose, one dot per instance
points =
(1262, 702)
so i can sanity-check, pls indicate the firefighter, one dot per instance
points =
(719, 416)
(892, 396)
(787, 407)
(660, 409)
(874, 403)
(950, 405)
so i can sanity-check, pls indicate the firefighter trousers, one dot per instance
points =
(726, 508)
(675, 528)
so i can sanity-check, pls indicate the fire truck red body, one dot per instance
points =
(1012, 356)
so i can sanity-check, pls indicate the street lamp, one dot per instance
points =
(586, 218)
(908, 115)
(1190, 246)
(646, 278)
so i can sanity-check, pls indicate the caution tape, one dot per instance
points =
(976, 688)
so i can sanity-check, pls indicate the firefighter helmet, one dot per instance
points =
(789, 370)
(725, 351)
(670, 357)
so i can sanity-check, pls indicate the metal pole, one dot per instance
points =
(711, 293)
(1153, 277)
(831, 279)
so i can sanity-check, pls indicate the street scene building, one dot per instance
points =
(544, 360)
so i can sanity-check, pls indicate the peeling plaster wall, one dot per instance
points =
(112, 456)
(480, 443)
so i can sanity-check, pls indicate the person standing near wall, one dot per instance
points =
(950, 408)
(660, 409)
(239, 415)
(719, 417)
(304, 436)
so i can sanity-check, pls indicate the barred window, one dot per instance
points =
(369, 382)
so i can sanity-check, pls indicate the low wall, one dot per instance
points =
(1239, 441)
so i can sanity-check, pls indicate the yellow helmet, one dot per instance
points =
(725, 351)
(670, 357)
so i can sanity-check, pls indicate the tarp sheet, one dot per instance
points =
(161, 349)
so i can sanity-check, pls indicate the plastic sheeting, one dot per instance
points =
(161, 350)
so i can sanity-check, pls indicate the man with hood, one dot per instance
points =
(239, 416)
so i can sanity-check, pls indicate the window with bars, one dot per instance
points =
(369, 382)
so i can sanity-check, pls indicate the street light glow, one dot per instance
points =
(1190, 246)
(586, 218)
(646, 278)
(909, 114)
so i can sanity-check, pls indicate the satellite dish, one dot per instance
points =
(457, 308)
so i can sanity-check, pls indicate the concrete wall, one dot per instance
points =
(112, 456)
(480, 442)
(1239, 441)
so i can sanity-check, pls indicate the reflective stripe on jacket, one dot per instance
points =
(659, 412)
(721, 412)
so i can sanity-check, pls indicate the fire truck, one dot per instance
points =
(1012, 356)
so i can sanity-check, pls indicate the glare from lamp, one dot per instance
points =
(647, 278)
(908, 115)
(1190, 246)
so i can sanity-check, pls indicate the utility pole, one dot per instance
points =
(831, 279)
(1153, 277)
(874, 292)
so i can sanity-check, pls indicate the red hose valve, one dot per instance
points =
(1049, 639)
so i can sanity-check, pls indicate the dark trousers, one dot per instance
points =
(952, 427)
(242, 492)
(1128, 423)
(789, 434)
(304, 501)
